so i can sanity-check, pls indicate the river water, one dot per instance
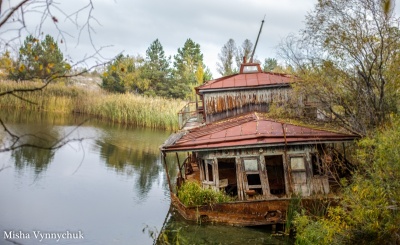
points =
(107, 185)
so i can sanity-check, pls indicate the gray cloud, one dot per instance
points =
(130, 26)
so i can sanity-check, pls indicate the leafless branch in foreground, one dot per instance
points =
(16, 141)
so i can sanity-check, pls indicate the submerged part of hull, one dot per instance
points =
(244, 213)
(251, 213)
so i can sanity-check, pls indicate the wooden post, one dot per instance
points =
(166, 170)
(179, 165)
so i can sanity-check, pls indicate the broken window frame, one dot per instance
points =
(208, 164)
(317, 165)
(250, 172)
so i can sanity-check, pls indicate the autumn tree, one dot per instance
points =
(347, 59)
(124, 75)
(39, 60)
(225, 66)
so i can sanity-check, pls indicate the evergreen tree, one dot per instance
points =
(157, 70)
(39, 59)
(270, 64)
(187, 65)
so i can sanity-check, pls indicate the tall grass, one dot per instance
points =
(129, 109)
(133, 109)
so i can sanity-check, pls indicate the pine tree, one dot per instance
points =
(39, 59)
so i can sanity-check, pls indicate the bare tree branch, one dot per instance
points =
(12, 11)
(56, 145)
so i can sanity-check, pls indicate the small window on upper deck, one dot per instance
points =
(250, 69)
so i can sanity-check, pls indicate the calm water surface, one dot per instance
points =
(111, 187)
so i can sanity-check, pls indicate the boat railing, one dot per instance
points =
(190, 112)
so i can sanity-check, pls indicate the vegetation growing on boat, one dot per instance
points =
(191, 194)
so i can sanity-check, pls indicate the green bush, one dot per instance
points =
(369, 210)
(191, 194)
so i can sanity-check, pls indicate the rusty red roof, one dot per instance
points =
(247, 80)
(251, 130)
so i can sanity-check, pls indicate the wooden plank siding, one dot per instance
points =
(219, 105)
(297, 181)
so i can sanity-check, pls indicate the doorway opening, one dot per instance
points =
(275, 174)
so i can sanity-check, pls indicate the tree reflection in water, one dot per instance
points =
(133, 152)
(37, 158)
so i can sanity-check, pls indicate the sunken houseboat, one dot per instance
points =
(233, 146)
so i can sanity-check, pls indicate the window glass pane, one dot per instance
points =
(297, 163)
(250, 69)
(253, 179)
(210, 172)
(250, 165)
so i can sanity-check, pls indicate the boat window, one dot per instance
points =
(275, 174)
(250, 165)
(252, 178)
(227, 175)
(250, 69)
(297, 163)
(317, 165)
(299, 175)
(208, 171)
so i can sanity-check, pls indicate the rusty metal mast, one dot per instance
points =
(255, 46)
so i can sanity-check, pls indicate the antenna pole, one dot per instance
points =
(255, 46)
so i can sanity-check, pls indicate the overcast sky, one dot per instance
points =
(130, 26)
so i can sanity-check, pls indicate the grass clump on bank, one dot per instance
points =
(131, 109)
(191, 194)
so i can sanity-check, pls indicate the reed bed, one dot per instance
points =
(131, 109)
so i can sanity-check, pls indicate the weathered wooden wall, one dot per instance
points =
(302, 183)
(219, 105)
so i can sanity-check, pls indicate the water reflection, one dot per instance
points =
(131, 159)
(37, 154)
(39, 159)
(176, 230)
(109, 186)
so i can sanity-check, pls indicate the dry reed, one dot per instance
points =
(129, 109)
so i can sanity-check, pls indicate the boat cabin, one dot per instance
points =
(259, 161)
(249, 90)
(254, 157)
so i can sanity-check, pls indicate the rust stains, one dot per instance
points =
(252, 129)
(218, 102)
(247, 80)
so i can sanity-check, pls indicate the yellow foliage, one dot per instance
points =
(21, 68)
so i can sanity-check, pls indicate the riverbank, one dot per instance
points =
(130, 109)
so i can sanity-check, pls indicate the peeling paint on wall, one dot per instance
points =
(220, 105)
